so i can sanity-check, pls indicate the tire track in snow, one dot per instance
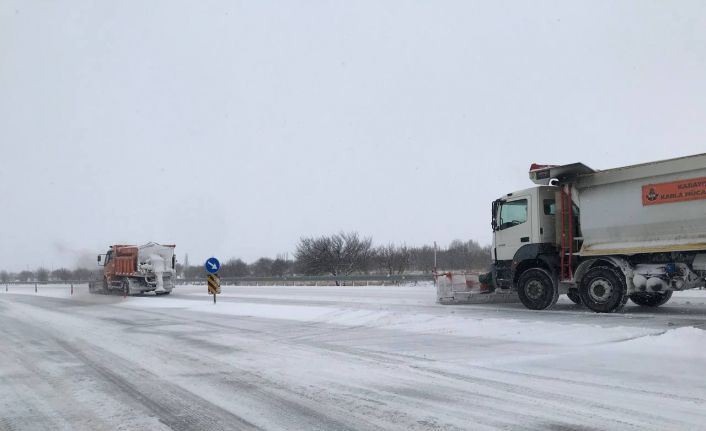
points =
(566, 405)
(576, 405)
(177, 408)
(154, 394)
(596, 385)
(393, 360)
(638, 419)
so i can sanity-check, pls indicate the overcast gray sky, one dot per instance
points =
(233, 128)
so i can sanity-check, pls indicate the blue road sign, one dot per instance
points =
(212, 265)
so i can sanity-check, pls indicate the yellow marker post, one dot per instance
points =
(214, 285)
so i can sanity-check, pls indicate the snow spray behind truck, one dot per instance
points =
(602, 237)
(134, 269)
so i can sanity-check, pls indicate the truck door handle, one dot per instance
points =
(524, 239)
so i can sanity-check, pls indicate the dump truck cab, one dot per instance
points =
(525, 233)
(523, 219)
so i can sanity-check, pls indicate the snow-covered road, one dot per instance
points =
(339, 358)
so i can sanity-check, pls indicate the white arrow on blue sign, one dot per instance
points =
(212, 265)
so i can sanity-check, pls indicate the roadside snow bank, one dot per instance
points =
(550, 333)
(686, 342)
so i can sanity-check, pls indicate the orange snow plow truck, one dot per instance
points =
(134, 270)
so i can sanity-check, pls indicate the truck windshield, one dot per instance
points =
(512, 213)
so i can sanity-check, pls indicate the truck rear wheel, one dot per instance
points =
(650, 299)
(536, 289)
(603, 289)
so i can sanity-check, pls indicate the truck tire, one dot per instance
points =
(603, 289)
(650, 299)
(536, 289)
(574, 296)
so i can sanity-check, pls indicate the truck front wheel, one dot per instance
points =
(646, 299)
(536, 289)
(603, 289)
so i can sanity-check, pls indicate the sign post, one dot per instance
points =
(213, 280)
(214, 285)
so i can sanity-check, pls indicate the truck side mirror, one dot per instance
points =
(494, 222)
(99, 258)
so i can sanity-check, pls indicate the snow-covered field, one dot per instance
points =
(338, 358)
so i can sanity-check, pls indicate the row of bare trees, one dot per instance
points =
(43, 275)
(343, 253)
(263, 267)
(348, 253)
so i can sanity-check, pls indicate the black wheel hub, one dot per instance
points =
(535, 289)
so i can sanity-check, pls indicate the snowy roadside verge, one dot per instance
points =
(526, 328)
(412, 322)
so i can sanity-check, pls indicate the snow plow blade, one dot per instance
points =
(465, 288)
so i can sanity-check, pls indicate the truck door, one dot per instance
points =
(109, 265)
(513, 227)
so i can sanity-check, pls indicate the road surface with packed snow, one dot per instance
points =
(344, 358)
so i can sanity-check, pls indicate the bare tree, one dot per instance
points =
(422, 258)
(25, 276)
(261, 267)
(339, 254)
(42, 275)
(314, 255)
(280, 267)
(234, 268)
(351, 253)
(61, 274)
(393, 260)
(82, 274)
(4, 276)
(459, 255)
(194, 271)
(402, 259)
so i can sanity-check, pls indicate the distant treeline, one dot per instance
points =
(338, 254)
(43, 275)
(348, 253)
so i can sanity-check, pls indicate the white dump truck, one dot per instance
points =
(132, 269)
(602, 237)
